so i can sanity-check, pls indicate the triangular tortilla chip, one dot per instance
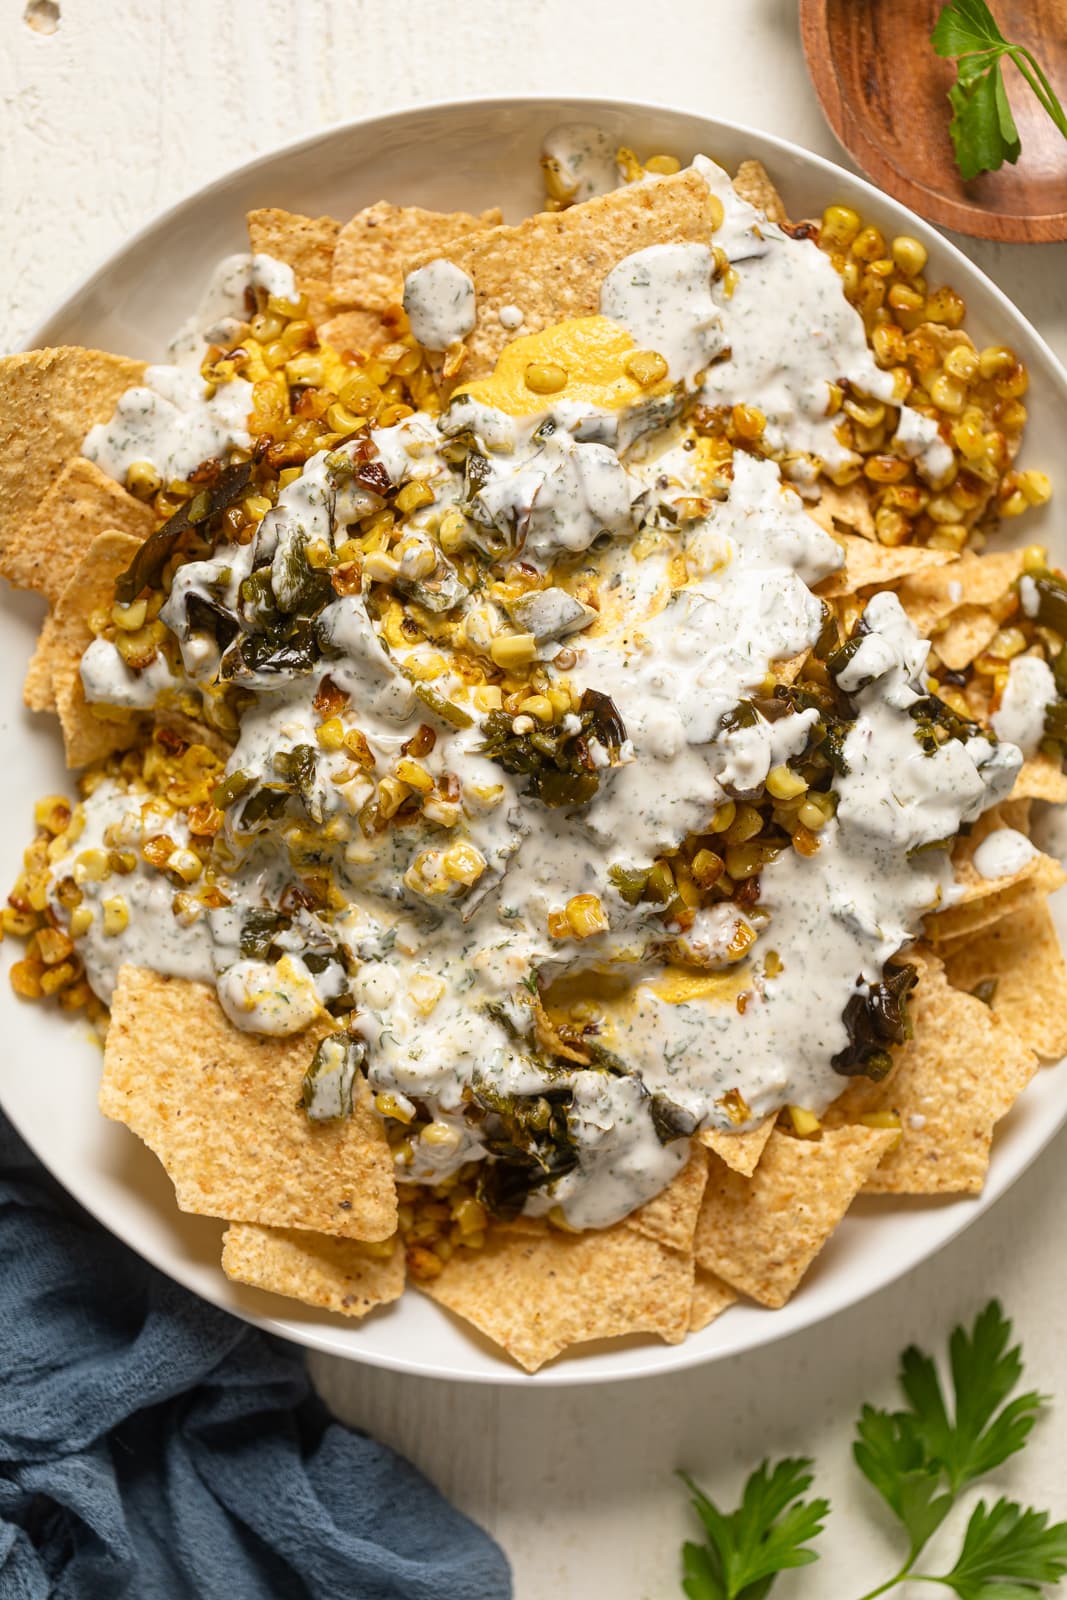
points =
(671, 1215)
(1040, 870)
(1020, 956)
(49, 399)
(711, 1297)
(740, 1151)
(753, 183)
(551, 266)
(761, 1234)
(38, 693)
(354, 332)
(314, 1268)
(221, 1109)
(304, 243)
(843, 510)
(82, 502)
(1040, 878)
(537, 1294)
(961, 1071)
(1041, 777)
(965, 635)
(973, 580)
(86, 736)
(869, 565)
(373, 249)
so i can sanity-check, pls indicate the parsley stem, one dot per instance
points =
(890, 1583)
(1040, 85)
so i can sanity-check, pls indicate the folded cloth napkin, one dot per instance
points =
(154, 1448)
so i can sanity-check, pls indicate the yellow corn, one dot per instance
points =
(514, 650)
(415, 775)
(143, 480)
(909, 255)
(391, 795)
(463, 863)
(452, 531)
(545, 377)
(805, 1123)
(586, 916)
(330, 735)
(81, 920)
(645, 367)
(783, 783)
(116, 914)
(414, 495)
(840, 225)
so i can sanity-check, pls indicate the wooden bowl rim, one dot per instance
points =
(964, 216)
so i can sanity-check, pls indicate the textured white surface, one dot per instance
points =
(128, 105)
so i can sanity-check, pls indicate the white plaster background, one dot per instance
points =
(131, 103)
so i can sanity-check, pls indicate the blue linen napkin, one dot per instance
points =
(155, 1448)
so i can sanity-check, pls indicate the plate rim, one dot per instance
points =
(688, 1354)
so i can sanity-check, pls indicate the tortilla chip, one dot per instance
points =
(965, 635)
(355, 332)
(962, 1071)
(847, 509)
(1041, 777)
(86, 736)
(552, 265)
(334, 1274)
(221, 1109)
(81, 503)
(1021, 956)
(753, 183)
(372, 249)
(761, 1234)
(868, 564)
(974, 580)
(49, 399)
(740, 1151)
(38, 693)
(306, 244)
(1041, 870)
(537, 1294)
(711, 1297)
(671, 1215)
(1040, 878)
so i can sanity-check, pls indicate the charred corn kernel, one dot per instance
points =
(848, 471)
(539, 706)
(909, 255)
(586, 916)
(946, 307)
(463, 863)
(813, 815)
(266, 326)
(425, 991)
(53, 813)
(748, 421)
(645, 367)
(885, 469)
(81, 920)
(835, 397)
(307, 367)
(469, 1215)
(948, 536)
(962, 363)
(488, 697)
(1013, 415)
(747, 823)
(868, 413)
(545, 377)
(1014, 504)
(947, 394)
(143, 480)
(130, 617)
(330, 735)
(54, 979)
(18, 923)
(868, 244)
(805, 842)
(707, 868)
(116, 914)
(452, 531)
(889, 345)
(805, 1124)
(560, 699)
(186, 908)
(415, 775)
(558, 186)
(881, 1119)
(1036, 486)
(92, 866)
(662, 166)
(890, 527)
(389, 1105)
(185, 864)
(414, 495)
(514, 650)
(379, 567)
(340, 420)
(1035, 556)
(783, 783)
(423, 1263)
(723, 816)
(426, 667)
(840, 225)
(441, 1136)
(744, 861)
(969, 439)
(53, 946)
(392, 793)
(942, 508)
(902, 297)
(995, 360)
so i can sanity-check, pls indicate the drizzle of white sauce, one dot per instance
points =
(173, 422)
(1003, 853)
(440, 302)
(1020, 716)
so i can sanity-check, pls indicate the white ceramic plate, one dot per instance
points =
(464, 155)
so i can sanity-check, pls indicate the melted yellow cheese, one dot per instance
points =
(592, 351)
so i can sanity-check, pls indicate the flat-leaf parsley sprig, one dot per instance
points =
(920, 1460)
(983, 129)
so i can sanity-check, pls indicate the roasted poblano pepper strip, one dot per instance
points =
(329, 1082)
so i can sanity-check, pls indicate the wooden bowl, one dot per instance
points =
(884, 94)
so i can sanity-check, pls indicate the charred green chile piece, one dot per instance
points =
(560, 766)
(875, 1022)
(330, 1080)
(259, 930)
(146, 568)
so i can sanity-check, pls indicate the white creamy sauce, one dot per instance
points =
(510, 317)
(440, 968)
(439, 300)
(1021, 714)
(224, 304)
(585, 157)
(1003, 853)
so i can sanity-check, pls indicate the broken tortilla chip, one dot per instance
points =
(961, 1071)
(1041, 777)
(761, 1234)
(1040, 870)
(845, 509)
(868, 564)
(38, 691)
(1020, 963)
(355, 332)
(81, 503)
(537, 1294)
(753, 183)
(221, 1109)
(973, 580)
(740, 1151)
(373, 249)
(49, 399)
(711, 1297)
(315, 1268)
(1040, 877)
(87, 736)
(306, 244)
(964, 635)
(551, 266)
(671, 1215)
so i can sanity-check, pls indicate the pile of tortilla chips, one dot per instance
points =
(312, 1208)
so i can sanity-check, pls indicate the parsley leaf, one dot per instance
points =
(747, 1548)
(890, 1454)
(1008, 1552)
(982, 128)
